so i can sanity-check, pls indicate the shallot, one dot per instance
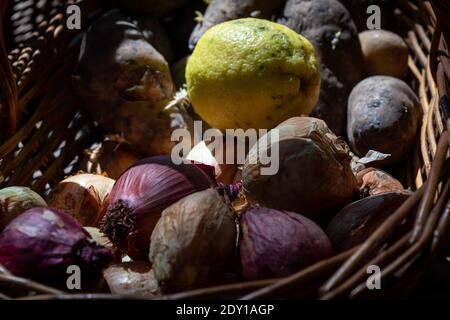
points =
(141, 194)
(42, 243)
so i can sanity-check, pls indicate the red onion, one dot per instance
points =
(277, 243)
(42, 242)
(140, 195)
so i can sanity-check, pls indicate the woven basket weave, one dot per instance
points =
(44, 130)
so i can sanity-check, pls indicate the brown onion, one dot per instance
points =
(373, 181)
(193, 241)
(42, 242)
(83, 196)
(357, 221)
(141, 194)
(132, 278)
(110, 157)
(15, 200)
(277, 243)
(314, 176)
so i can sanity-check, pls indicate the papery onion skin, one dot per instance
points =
(277, 243)
(372, 181)
(141, 194)
(15, 200)
(102, 240)
(83, 196)
(314, 176)
(99, 237)
(358, 220)
(133, 278)
(42, 242)
(193, 241)
(223, 172)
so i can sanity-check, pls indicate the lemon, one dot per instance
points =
(252, 73)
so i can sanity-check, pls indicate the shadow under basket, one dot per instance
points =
(44, 131)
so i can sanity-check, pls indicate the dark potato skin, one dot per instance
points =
(358, 220)
(385, 53)
(157, 8)
(358, 10)
(383, 115)
(125, 84)
(224, 10)
(328, 25)
(185, 16)
(156, 36)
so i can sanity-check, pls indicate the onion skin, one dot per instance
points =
(223, 172)
(102, 240)
(193, 241)
(314, 176)
(141, 194)
(133, 278)
(373, 181)
(83, 196)
(15, 200)
(277, 243)
(357, 221)
(99, 237)
(42, 242)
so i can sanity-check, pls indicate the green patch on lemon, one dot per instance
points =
(252, 73)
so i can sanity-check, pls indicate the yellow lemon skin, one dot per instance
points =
(252, 73)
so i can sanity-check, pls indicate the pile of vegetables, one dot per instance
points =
(147, 226)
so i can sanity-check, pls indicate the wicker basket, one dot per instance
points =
(43, 132)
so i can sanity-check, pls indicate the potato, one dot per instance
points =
(358, 11)
(385, 53)
(384, 115)
(157, 8)
(187, 17)
(156, 36)
(224, 10)
(179, 72)
(125, 84)
(328, 25)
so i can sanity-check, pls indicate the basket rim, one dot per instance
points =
(420, 239)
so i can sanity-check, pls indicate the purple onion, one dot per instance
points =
(42, 242)
(140, 195)
(276, 243)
